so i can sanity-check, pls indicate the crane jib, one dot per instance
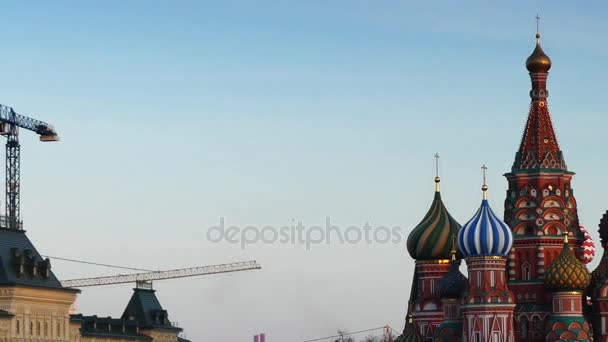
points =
(161, 275)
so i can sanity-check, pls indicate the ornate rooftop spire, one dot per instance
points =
(539, 148)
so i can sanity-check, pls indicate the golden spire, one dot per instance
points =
(484, 187)
(537, 28)
(453, 251)
(437, 179)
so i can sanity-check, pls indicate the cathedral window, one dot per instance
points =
(38, 329)
(478, 279)
(31, 328)
(18, 327)
(524, 327)
(525, 271)
(492, 282)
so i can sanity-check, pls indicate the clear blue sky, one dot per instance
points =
(174, 114)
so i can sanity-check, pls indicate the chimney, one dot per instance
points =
(256, 338)
(262, 337)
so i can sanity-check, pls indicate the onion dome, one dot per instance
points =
(485, 234)
(430, 239)
(454, 283)
(588, 246)
(567, 273)
(410, 333)
(538, 60)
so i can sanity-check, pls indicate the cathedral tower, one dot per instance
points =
(539, 206)
(487, 306)
(567, 278)
(430, 244)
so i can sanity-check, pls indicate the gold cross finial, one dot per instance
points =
(537, 28)
(484, 187)
(437, 179)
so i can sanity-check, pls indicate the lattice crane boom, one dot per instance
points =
(146, 277)
(46, 131)
(10, 122)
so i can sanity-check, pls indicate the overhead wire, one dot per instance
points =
(344, 334)
(98, 264)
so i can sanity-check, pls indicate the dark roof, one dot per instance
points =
(109, 327)
(146, 310)
(21, 264)
(181, 339)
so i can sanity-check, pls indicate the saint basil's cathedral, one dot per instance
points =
(526, 275)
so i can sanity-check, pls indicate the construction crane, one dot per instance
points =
(144, 280)
(10, 122)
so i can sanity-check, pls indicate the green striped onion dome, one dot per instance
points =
(432, 239)
(567, 272)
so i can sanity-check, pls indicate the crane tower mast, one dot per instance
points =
(10, 122)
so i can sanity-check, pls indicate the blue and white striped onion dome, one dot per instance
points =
(485, 234)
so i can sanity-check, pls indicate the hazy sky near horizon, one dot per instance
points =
(174, 114)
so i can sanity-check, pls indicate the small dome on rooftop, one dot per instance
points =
(538, 61)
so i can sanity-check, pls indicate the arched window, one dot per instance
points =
(524, 326)
(526, 271)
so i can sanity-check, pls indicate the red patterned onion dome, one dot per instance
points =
(588, 246)
(538, 60)
(567, 273)
(599, 274)
(410, 334)
(430, 240)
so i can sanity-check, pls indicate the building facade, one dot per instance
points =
(524, 282)
(34, 306)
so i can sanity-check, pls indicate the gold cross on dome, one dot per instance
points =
(436, 164)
